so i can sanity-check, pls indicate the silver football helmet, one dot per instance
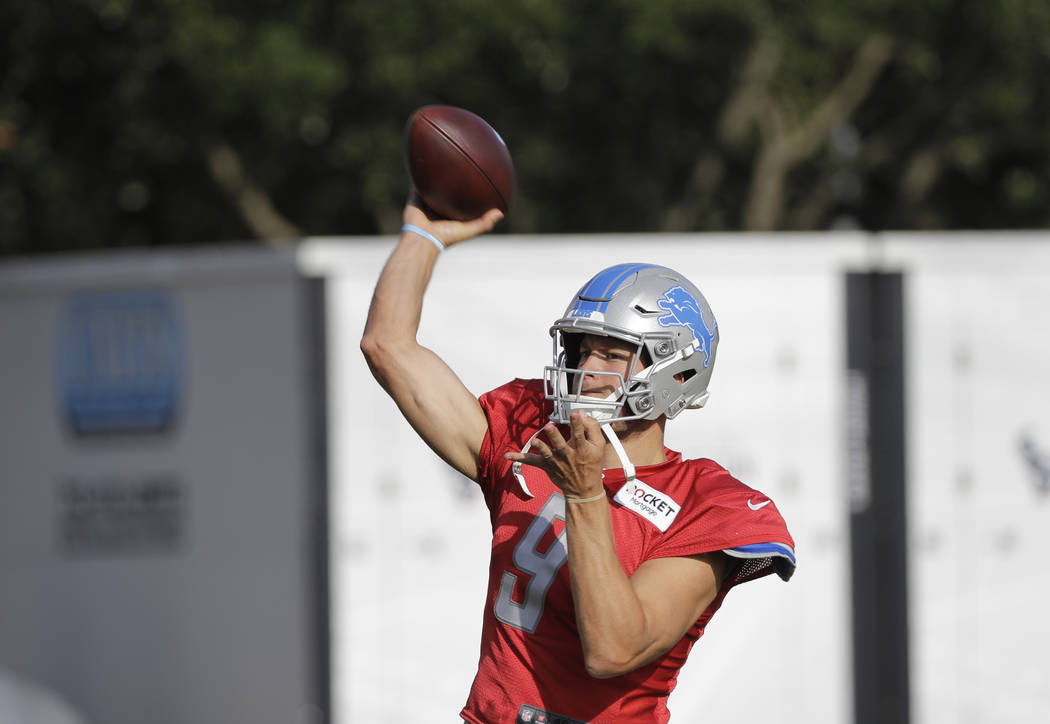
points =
(664, 316)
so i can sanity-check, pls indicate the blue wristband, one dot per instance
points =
(425, 234)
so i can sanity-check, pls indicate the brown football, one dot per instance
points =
(458, 163)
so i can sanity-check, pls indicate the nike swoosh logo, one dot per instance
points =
(760, 505)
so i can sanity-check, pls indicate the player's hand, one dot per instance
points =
(448, 231)
(573, 464)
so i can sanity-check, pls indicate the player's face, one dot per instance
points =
(605, 354)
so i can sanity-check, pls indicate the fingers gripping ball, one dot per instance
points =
(458, 163)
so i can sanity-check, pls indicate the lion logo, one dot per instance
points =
(684, 311)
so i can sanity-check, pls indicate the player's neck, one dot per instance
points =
(642, 440)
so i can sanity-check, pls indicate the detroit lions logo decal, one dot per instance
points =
(684, 311)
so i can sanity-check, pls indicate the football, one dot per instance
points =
(458, 163)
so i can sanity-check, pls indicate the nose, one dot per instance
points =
(589, 362)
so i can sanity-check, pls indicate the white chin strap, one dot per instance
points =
(601, 415)
(516, 467)
(625, 462)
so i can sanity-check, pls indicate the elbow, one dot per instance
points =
(379, 353)
(371, 348)
(619, 658)
(607, 667)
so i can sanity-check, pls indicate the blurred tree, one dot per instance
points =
(959, 136)
(152, 122)
(123, 117)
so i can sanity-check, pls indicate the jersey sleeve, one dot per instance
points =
(739, 521)
(762, 544)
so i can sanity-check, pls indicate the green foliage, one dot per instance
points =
(621, 115)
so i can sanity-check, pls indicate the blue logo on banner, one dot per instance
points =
(119, 363)
(684, 311)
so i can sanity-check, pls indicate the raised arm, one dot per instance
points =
(429, 394)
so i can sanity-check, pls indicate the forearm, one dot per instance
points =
(393, 317)
(612, 622)
(397, 303)
(428, 393)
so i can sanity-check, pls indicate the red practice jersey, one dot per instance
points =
(531, 657)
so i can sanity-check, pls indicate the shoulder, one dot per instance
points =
(725, 514)
(520, 399)
(516, 389)
(704, 482)
(514, 412)
(714, 490)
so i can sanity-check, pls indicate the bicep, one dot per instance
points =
(674, 593)
(434, 401)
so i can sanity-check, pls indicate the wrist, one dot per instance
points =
(589, 499)
(420, 231)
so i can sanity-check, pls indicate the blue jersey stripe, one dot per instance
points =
(764, 549)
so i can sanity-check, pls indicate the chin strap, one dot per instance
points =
(625, 462)
(516, 467)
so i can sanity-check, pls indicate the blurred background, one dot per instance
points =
(175, 122)
(210, 513)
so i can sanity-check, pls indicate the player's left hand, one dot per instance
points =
(573, 464)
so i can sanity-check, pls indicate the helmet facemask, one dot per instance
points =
(659, 388)
(564, 384)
